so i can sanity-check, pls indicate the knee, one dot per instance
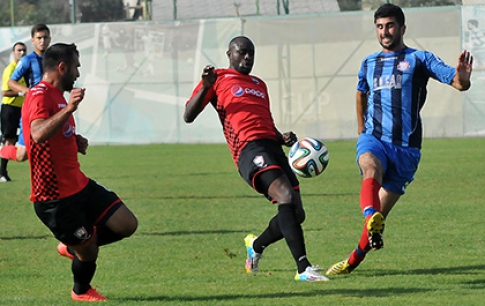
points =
(130, 227)
(21, 154)
(300, 215)
(87, 252)
(123, 222)
(286, 196)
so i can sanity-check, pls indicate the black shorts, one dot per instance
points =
(10, 120)
(261, 162)
(73, 220)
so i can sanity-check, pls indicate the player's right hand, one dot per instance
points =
(289, 138)
(77, 95)
(209, 76)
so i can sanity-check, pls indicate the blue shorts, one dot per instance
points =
(399, 163)
(20, 140)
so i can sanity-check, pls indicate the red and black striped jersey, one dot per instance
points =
(242, 104)
(54, 167)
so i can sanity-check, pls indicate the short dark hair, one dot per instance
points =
(39, 28)
(390, 10)
(58, 53)
(239, 38)
(18, 43)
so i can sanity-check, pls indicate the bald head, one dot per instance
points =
(239, 40)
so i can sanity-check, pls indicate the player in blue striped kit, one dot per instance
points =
(390, 94)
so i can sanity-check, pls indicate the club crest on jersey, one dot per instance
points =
(82, 233)
(237, 91)
(255, 81)
(68, 129)
(403, 66)
(259, 161)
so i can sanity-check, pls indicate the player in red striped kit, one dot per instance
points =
(242, 102)
(81, 214)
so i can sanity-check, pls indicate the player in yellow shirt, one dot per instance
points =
(11, 107)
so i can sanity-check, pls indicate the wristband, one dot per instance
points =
(20, 94)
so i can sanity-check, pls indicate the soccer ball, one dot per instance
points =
(308, 157)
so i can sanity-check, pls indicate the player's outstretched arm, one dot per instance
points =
(461, 81)
(195, 106)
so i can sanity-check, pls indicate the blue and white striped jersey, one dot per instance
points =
(30, 68)
(395, 84)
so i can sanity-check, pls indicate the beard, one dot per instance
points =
(245, 68)
(67, 84)
(393, 42)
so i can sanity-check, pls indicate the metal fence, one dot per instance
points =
(139, 75)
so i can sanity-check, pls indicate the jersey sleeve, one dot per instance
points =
(437, 69)
(37, 109)
(210, 96)
(5, 77)
(20, 70)
(362, 84)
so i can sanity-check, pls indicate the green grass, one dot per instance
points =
(194, 211)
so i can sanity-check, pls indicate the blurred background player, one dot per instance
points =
(242, 103)
(390, 94)
(29, 68)
(11, 109)
(476, 43)
(82, 214)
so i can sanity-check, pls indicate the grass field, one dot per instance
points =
(194, 211)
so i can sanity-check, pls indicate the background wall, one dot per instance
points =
(138, 75)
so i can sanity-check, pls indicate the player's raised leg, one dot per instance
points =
(289, 205)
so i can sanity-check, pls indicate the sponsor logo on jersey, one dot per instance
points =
(255, 92)
(68, 129)
(237, 91)
(388, 82)
(384, 59)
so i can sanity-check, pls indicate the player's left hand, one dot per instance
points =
(82, 144)
(461, 81)
(289, 138)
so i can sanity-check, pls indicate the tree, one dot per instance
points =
(102, 11)
(23, 13)
(352, 5)
(29, 12)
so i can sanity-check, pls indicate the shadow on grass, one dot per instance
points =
(246, 196)
(449, 270)
(475, 284)
(183, 233)
(465, 270)
(208, 232)
(225, 297)
(25, 237)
